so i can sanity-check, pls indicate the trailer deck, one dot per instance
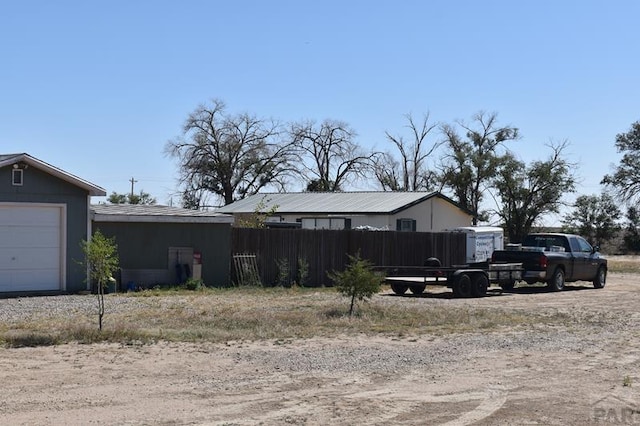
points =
(464, 280)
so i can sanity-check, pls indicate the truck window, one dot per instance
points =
(546, 242)
(575, 245)
(585, 247)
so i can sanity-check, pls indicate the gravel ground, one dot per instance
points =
(15, 310)
(586, 371)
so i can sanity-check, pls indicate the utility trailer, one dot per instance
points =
(471, 280)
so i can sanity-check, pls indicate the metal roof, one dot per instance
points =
(378, 202)
(11, 159)
(154, 214)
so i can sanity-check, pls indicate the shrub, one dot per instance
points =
(357, 281)
(283, 272)
(193, 284)
(303, 271)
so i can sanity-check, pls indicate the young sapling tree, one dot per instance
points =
(101, 260)
(358, 281)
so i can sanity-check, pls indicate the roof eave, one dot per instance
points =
(94, 190)
(104, 218)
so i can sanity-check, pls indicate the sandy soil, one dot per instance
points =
(570, 374)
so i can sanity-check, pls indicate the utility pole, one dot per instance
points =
(132, 180)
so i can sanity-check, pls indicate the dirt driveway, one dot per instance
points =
(582, 372)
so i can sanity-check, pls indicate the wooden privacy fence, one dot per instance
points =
(280, 252)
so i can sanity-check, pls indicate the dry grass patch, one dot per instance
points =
(243, 314)
(624, 264)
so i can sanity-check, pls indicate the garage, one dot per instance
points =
(31, 247)
(44, 218)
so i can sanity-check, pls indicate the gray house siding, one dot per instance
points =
(41, 187)
(145, 246)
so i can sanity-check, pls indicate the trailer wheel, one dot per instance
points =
(556, 283)
(508, 285)
(399, 288)
(417, 289)
(462, 286)
(601, 278)
(479, 285)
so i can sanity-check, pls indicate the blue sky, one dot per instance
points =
(98, 87)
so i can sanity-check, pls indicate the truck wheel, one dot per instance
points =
(479, 285)
(417, 289)
(508, 285)
(601, 278)
(556, 283)
(462, 286)
(399, 288)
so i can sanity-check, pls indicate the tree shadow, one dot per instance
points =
(491, 292)
(545, 289)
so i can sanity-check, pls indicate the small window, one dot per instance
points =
(16, 177)
(406, 225)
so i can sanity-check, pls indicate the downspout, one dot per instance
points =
(431, 219)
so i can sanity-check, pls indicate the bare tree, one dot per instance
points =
(231, 156)
(470, 164)
(413, 175)
(385, 169)
(329, 157)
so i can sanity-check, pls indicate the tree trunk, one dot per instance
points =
(100, 304)
(353, 301)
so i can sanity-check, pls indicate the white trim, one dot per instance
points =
(54, 171)
(63, 234)
(20, 173)
(63, 246)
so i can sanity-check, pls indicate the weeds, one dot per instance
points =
(624, 264)
(284, 272)
(257, 313)
(303, 271)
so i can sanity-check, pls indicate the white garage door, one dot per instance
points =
(30, 247)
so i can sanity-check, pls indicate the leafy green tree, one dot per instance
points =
(328, 155)
(527, 193)
(141, 198)
(471, 162)
(357, 281)
(632, 230)
(229, 156)
(594, 217)
(101, 260)
(261, 213)
(625, 180)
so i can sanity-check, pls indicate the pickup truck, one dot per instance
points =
(555, 259)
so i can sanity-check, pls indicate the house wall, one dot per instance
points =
(146, 246)
(432, 215)
(41, 187)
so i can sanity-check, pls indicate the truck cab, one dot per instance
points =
(555, 259)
